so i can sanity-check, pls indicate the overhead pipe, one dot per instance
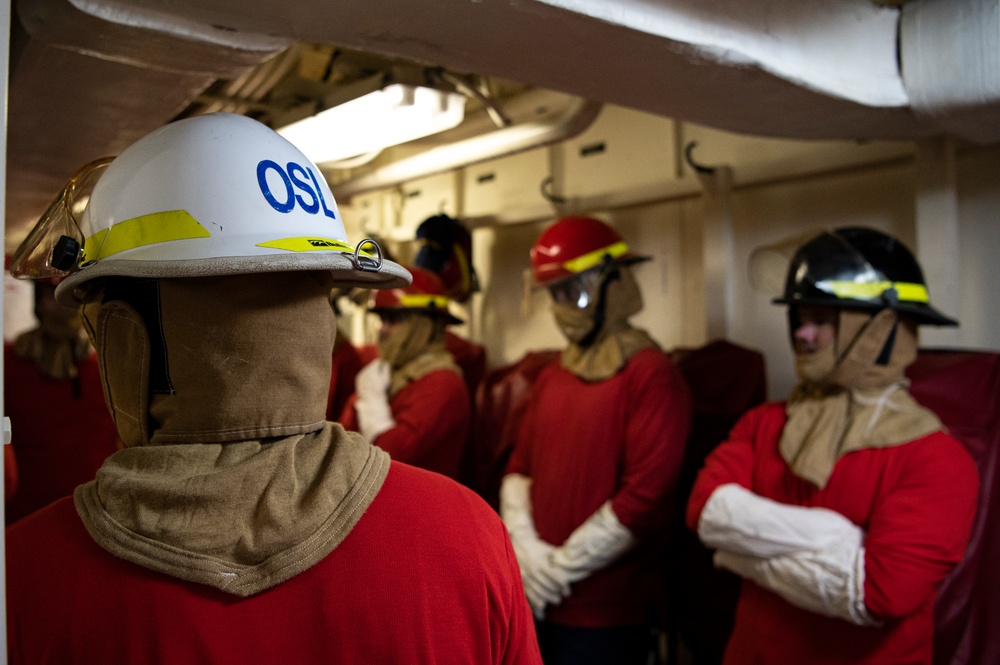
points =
(950, 67)
(571, 122)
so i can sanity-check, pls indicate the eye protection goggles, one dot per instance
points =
(578, 291)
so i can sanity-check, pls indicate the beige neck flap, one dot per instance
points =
(215, 359)
(847, 402)
(608, 355)
(408, 338)
(617, 341)
(414, 348)
(433, 359)
(241, 517)
(57, 357)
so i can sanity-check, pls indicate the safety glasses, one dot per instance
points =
(577, 291)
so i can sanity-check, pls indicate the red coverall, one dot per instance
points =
(620, 439)
(427, 575)
(915, 502)
(432, 417)
(61, 431)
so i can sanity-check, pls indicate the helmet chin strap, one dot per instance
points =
(609, 273)
(891, 299)
(886, 354)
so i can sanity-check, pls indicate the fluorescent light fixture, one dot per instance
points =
(395, 114)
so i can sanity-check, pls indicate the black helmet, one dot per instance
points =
(446, 250)
(859, 268)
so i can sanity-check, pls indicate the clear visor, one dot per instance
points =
(578, 291)
(53, 247)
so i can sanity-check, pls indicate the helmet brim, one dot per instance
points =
(626, 260)
(346, 274)
(924, 314)
(445, 316)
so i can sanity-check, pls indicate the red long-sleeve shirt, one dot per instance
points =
(915, 502)
(61, 431)
(426, 576)
(585, 443)
(432, 415)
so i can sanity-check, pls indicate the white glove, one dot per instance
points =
(828, 581)
(592, 546)
(372, 405)
(737, 520)
(541, 585)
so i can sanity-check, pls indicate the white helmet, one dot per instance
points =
(218, 194)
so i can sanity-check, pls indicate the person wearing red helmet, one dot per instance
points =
(845, 507)
(411, 401)
(591, 479)
(237, 524)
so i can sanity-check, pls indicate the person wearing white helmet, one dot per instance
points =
(238, 525)
(845, 507)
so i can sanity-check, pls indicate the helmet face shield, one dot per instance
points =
(53, 248)
(577, 291)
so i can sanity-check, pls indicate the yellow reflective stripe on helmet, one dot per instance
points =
(141, 231)
(908, 291)
(423, 300)
(309, 244)
(591, 259)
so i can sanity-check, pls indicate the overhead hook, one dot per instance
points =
(700, 168)
(546, 190)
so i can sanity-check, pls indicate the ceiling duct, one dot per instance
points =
(950, 55)
(111, 77)
(559, 126)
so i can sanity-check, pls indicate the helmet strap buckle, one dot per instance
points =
(891, 297)
(609, 273)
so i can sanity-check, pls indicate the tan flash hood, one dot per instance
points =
(214, 359)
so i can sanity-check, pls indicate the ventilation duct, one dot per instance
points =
(950, 53)
(573, 120)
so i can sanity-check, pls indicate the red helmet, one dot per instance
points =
(575, 244)
(425, 294)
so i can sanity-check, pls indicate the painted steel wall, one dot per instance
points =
(780, 188)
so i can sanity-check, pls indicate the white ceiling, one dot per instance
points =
(88, 77)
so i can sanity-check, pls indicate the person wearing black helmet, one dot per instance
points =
(844, 507)
(446, 251)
